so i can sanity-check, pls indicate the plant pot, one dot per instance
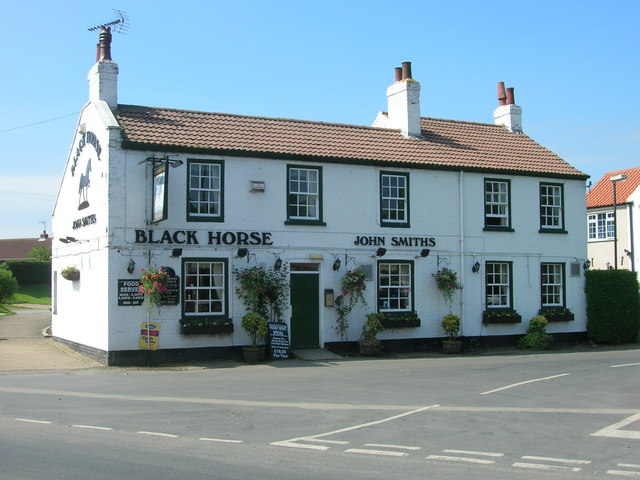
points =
(369, 347)
(73, 275)
(451, 346)
(253, 354)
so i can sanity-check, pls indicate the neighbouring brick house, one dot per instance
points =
(19, 248)
(400, 200)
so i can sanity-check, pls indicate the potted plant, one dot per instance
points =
(264, 291)
(368, 343)
(256, 326)
(71, 273)
(451, 325)
(536, 338)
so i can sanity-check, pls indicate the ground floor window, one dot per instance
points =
(205, 286)
(552, 284)
(498, 285)
(395, 286)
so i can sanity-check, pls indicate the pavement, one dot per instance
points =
(25, 343)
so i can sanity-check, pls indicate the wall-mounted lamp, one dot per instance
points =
(336, 265)
(176, 252)
(278, 264)
(476, 267)
(131, 266)
(242, 252)
(381, 251)
(586, 265)
(424, 253)
(68, 240)
(329, 298)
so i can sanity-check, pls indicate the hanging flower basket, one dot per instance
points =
(71, 273)
(447, 282)
(153, 284)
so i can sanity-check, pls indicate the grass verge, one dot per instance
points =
(39, 294)
(5, 312)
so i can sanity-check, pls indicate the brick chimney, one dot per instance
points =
(508, 113)
(103, 76)
(403, 98)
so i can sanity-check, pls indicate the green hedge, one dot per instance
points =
(613, 306)
(29, 272)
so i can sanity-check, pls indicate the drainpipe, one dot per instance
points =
(462, 269)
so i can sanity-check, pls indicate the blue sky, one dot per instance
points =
(574, 66)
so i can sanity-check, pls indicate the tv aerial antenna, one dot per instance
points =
(120, 24)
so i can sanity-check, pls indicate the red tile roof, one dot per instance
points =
(446, 144)
(19, 248)
(601, 194)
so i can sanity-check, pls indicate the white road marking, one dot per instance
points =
(322, 440)
(28, 420)
(629, 465)
(292, 442)
(221, 440)
(382, 445)
(159, 434)
(388, 453)
(538, 466)
(524, 383)
(93, 427)
(568, 461)
(468, 452)
(624, 473)
(615, 431)
(460, 459)
(626, 365)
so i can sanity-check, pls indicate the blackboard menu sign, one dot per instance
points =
(172, 295)
(278, 340)
(128, 293)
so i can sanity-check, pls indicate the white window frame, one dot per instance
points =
(395, 286)
(497, 199)
(394, 199)
(205, 191)
(600, 226)
(304, 193)
(552, 284)
(205, 287)
(498, 288)
(551, 206)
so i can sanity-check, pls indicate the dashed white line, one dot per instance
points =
(468, 452)
(626, 473)
(93, 427)
(568, 461)
(524, 383)
(220, 440)
(28, 420)
(388, 453)
(626, 365)
(158, 434)
(383, 445)
(539, 466)
(460, 459)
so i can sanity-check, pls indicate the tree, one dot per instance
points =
(40, 253)
(8, 285)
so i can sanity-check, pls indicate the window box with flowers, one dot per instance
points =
(394, 320)
(205, 326)
(501, 316)
(557, 314)
(70, 273)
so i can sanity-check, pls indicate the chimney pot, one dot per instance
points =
(406, 70)
(104, 47)
(510, 97)
(398, 74)
(502, 94)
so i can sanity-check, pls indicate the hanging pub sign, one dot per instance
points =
(128, 294)
(171, 296)
(160, 193)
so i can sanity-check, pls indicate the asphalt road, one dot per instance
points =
(549, 415)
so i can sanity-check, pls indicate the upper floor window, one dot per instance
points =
(551, 207)
(395, 286)
(498, 285)
(205, 191)
(552, 284)
(600, 225)
(394, 199)
(205, 286)
(497, 204)
(304, 195)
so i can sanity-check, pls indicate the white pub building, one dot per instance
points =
(204, 194)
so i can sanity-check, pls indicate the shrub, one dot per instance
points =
(256, 326)
(30, 272)
(613, 306)
(451, 325)
(536, 338)
(8, 285)
(372, 327)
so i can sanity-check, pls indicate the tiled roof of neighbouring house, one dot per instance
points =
(19, 248)
(601, 194)
(446, 144)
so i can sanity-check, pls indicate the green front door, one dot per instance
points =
(305, 310)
